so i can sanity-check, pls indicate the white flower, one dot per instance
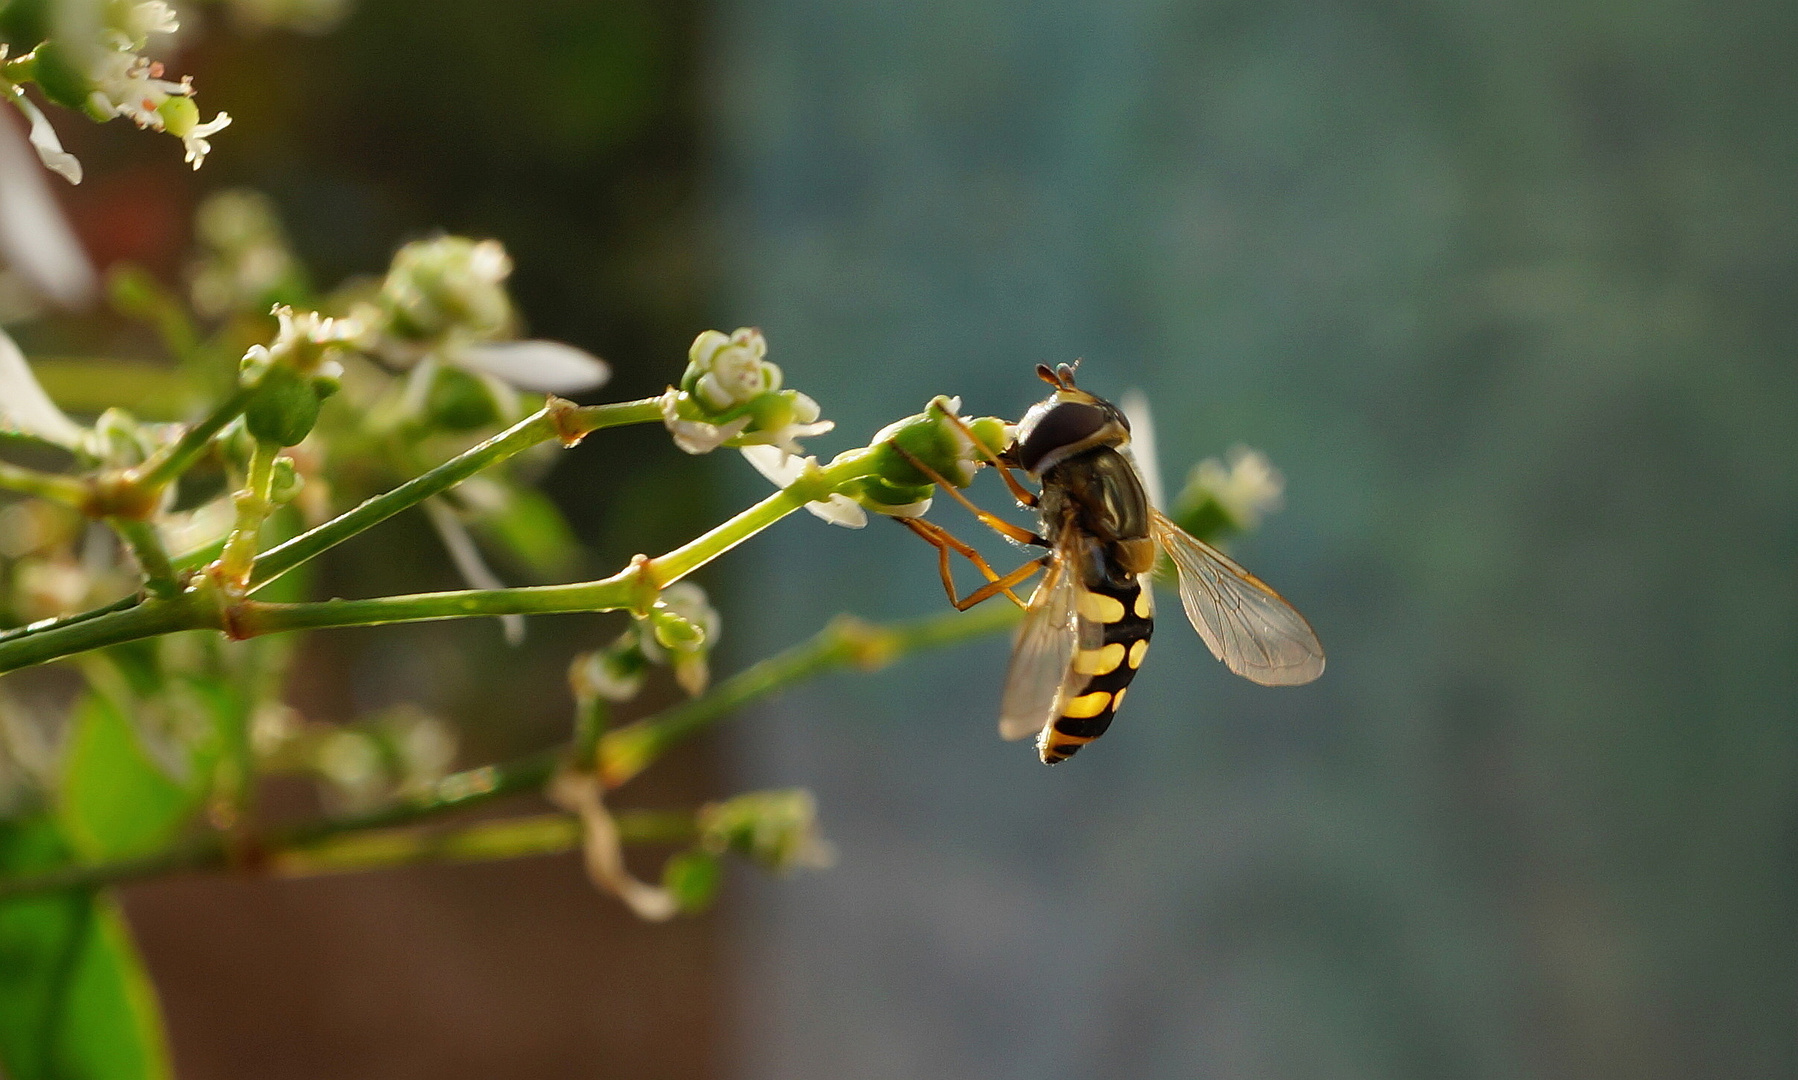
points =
(36, 242)
(543, 367)
(802, 423)
(132, 86)
(305, 339)
(25, 407)
(1247, 488)
(195, 139)
(137, 22)
(44, 141)
(782, 468)
(732, 370)
(696, 436)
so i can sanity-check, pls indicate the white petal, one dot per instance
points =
(467, 557)
(23, 404)
(782, 468)
(48, 146)
(1135, 404)
(35, 238)
(546, 367)
(840, 510)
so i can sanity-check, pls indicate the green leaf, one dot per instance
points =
(532, 530)
(75, 1001)
(115, 801)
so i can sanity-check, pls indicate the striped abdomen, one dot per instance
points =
(1125, 616)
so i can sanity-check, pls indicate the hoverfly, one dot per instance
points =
(1086, 628)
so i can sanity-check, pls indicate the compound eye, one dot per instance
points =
(1064, 424)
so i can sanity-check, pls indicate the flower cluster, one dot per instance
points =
(246, 265)
(91, 57)
(1222, 497)
(444, 303)
(679, 631)
(731, 394)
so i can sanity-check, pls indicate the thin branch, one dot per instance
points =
(167, 465)
(559, 419)
(625, 752)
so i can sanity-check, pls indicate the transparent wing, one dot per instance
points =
(1247, 625)
(1042, 656)
(1140, 450)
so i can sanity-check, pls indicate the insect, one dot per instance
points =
(1086, 627)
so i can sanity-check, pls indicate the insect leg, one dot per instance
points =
(1004, 584)
(992, 521)
(1024, 495)
(941, 539)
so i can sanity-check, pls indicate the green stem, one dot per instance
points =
(254, 502)
(558, 419)
(152, 557)
(59, 489)
(167, 465)
(508, 838)
(847, 641)
(76, 635)
(292, 854)
(633, 588)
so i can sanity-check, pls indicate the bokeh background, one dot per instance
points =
(1507, 292)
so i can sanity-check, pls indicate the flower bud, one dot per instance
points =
(692, 877)
(283, 408)
(937, 438)
(1223, 498)
(778, 829)
(62, 76)
(447, 283)
(286, 482)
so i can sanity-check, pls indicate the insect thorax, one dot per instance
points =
(1098, 494)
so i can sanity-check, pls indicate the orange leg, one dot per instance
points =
(941, 539)
(992, 521)
(1024, 495)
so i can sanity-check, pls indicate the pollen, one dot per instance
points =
(1101, 608)
(1087, 705)
(1099, 661)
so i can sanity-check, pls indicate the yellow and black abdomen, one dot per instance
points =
(1121, 618)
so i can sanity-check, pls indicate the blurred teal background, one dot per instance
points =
(1506, 291)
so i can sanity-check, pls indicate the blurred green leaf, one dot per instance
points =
(532, 531)
(91, 386)
(114, 800)
(74, 998)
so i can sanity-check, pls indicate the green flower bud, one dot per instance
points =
(179, 116)
(674, 632)
(286, 482)
(62, 76)
(692, 877)
(778, 829)
(283, 408)
(459, 401)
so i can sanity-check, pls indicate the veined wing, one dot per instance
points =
(1042, 655)
(1247, 625)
